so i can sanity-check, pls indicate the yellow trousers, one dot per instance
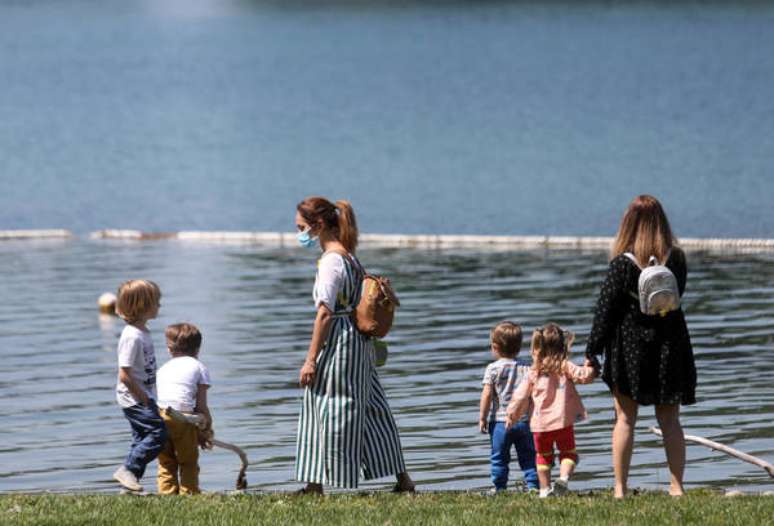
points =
(179, 460)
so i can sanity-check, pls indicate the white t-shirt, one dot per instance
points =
(329, 281)
(135, 350)
(179, 381)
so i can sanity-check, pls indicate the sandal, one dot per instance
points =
(397, 488)
(305, 491)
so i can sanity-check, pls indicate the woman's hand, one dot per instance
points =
(307, 373)
(591, 361)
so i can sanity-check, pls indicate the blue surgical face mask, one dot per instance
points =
(306, 240)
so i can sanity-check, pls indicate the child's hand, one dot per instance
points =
(204, 437)
(509, 420)
(483, 425)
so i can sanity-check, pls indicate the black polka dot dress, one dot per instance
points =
(648, 358)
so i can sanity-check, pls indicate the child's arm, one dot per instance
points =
(201, 404)
(204, 436)
(483, 410)
(579, 374)
(125, 377)
(519, 402)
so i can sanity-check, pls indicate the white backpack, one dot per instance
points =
(658, 290)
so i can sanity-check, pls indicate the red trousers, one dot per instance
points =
(544, 446)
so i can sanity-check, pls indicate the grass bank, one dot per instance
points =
(700, 507)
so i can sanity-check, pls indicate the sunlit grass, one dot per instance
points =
(699, 507)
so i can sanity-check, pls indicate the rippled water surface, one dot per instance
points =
(62, 430)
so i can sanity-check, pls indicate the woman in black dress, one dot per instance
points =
(648, 359)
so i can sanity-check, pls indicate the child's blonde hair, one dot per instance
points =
(507, 337)
(550, 346)
(136, 298)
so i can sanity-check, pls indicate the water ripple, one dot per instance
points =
(63, 431)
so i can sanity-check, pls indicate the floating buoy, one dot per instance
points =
(107, 303)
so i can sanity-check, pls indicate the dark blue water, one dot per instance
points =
(433, 117)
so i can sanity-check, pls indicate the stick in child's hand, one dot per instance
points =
(200, 421)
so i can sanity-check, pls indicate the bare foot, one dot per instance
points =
(676, 489)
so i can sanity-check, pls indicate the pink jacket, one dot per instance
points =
(556, 402)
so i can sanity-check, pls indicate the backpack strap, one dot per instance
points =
(348, 256)
(633, 259)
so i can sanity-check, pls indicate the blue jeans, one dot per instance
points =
(502, 439)
(148, 436)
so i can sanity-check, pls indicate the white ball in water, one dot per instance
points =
(107, 303)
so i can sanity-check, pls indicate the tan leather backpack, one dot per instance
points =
(375, 312)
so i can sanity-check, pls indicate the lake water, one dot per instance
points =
(62, 430)
(484, 117)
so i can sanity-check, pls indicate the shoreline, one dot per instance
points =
(420, 241)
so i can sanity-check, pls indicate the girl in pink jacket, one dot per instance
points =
(556, 405)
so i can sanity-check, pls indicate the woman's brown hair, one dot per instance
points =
(339, 218)
(550, 345)
(644, 231)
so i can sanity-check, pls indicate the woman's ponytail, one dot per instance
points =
(347, 225)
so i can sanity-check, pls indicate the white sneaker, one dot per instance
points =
(493, 492)
(560, 487)
(127, 479)
(546, 493)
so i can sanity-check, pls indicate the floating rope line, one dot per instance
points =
(441, 241)
(733, 245)
(34, 234)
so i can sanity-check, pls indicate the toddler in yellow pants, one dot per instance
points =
(182, 384)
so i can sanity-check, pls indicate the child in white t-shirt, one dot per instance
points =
(138, 302)
(182, 384)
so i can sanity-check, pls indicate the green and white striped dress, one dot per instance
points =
(346, 426)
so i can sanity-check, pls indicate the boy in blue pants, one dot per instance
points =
(138, 302)
(500, 381)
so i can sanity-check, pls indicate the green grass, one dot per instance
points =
(699, 507)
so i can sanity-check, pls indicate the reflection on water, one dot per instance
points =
(62, 429)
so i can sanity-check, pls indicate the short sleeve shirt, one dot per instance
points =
(178, 382)
(135, 350)
(504, 376)
(329, 281)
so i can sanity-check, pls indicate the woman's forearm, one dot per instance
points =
(322, 326)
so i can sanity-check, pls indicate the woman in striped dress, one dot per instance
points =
(346, 427)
